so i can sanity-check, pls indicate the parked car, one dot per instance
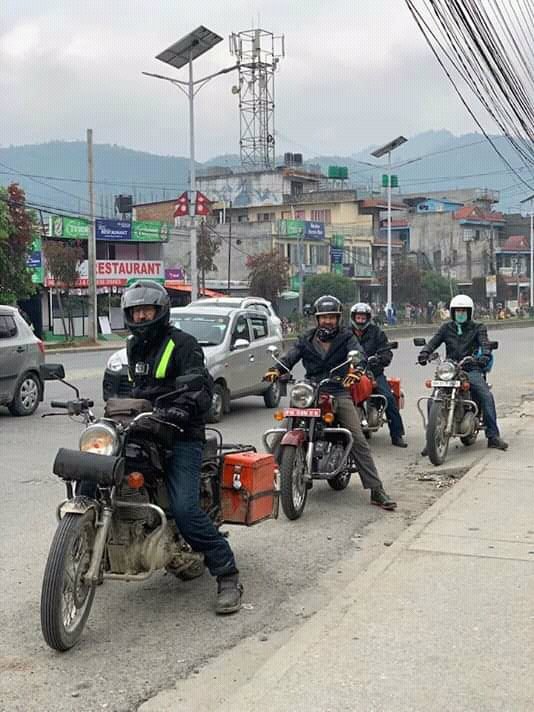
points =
(21, 356)
(254, 303)
(235, 344)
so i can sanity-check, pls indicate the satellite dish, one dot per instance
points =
(236, 89)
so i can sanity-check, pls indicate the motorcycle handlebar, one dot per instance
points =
(59, 404)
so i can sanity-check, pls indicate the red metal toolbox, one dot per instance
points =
(249, 492)
(395, 385)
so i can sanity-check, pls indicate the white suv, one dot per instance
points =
(254, 303)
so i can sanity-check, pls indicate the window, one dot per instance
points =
(286, 214)
(8, 327)
(259, 327)
(259, 308)
(300, 215)
(265, 217)
(240, 330)
(324, 216)
(297, 187)
(319, 255)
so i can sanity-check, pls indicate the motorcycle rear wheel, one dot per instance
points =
(293, 486)
(437, 443)
(66, 599)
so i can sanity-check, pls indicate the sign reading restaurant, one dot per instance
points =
(117, 273)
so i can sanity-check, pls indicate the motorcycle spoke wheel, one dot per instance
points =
(293, 489)
(66, 598)
(437, 442)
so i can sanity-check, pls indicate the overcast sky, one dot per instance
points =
(356, 72)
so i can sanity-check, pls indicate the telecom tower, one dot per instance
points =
(258, 53)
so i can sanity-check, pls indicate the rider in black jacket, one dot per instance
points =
(158, 353)
(374, 343)
(464, 337)
(321, 349)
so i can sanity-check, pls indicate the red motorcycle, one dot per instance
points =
(371, 405)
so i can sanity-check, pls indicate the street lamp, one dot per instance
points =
(388, 148)
(526, 200)
(183, 52)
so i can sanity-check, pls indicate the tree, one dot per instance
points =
(438, 288)
(17, 225)
(335, 284)
(207, 248)
(63, 260)
(268, 274)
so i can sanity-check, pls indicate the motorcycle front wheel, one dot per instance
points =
(293, 489)
(66, 599)
(437, 443)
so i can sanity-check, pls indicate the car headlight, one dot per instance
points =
(115, 363)
(301, 395)
(446, 371)
(101, 439)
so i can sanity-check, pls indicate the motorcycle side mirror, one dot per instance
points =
(273, 350)
(52, 372)
(354, 357)
(419, 341)
(494, 345)
(393, 345)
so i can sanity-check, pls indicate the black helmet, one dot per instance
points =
(146, 292)
(327, 304)
(360, 308)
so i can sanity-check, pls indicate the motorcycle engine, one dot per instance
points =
(373, 416)
(467, 424)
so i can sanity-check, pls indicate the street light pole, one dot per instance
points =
(531, 200)
(192, 182)
(389, 305)
(382, 151)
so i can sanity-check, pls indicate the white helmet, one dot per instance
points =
(462, 301)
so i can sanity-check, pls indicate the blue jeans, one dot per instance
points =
(183, 486)
(484, 399)
(396, 427)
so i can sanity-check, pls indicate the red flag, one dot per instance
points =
(182, 206)
(202, 204)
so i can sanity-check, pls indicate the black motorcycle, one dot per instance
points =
(115, 523)
(451, 410)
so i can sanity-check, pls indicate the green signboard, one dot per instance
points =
(394, 181)
(70, 228)
(292, 228)
(78, 229)
(150, 231)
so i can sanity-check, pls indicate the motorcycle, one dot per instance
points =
(451, 413)
(115, 523)
(371, 405)
(312, 446)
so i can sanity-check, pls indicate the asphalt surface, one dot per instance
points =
(141, 637)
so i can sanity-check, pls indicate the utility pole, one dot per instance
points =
(91, 245)
(229, 241)
(531, 200)
(301, 273)
(193, 182)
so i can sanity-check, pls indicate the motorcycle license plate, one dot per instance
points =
(302, 412)
(445, 384)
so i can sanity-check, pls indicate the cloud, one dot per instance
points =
(354, 73)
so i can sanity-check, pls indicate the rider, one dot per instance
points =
(464, 337)
(158, 353)
(374, 343)
(322, 349)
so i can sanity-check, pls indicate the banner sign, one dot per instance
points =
(308, 229)
(117, 273)
(34, 260)
(113, 229)
(336, 255)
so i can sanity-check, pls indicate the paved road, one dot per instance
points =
(141, 637)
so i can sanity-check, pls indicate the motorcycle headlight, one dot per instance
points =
(446, 371)
(301, 395)
(115, 363)
(101, 439)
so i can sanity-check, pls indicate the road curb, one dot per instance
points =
(86, 349)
